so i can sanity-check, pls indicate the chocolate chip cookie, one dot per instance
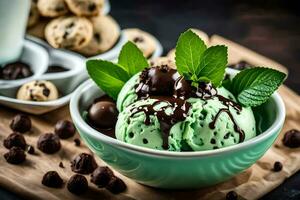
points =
(33, 15)
(69, 32)
(52, 8)
(106, 34)
(85, 7)
(142, 39)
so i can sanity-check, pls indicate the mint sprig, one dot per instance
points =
(132, 59)
(253, 87)
(188, 53)
(111, 77)
(197, 63)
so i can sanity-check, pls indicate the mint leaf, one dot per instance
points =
(213, 64)
(132, 59)
(108, 76)
(254, 86)
(189, 50)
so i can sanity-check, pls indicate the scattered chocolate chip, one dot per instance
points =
(77, 184)
(16, 70)
(20, 123)
(15, 155)
(116, 185)
(83, 163)
(102, 176)
(240, 65)
(48, 143)
(64, 129)
(232, 195)
(277, 166)
(61, 165)
(103, 114)
(52, 179)
(46, 92)
(77, 142)
(30, 149)
(97, 37)
(292, 138)
(14, 140)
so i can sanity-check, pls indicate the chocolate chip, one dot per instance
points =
(64, 129)
(77, 184)
(55, 69)
(14, 140)
(102, 176)
(83, 163)
(46, 92)
(52, 179)
(138, 39)
(61, 165)
(232, 195)
(48, 143)
(30, 149)
(97, 37)
(16, 155)
(277, 166)
(92, 7)
(16, 70)
(77, 142)
(20, 123)
(116, 185)
(292, 138)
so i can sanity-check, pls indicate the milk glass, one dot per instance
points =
(13, 20)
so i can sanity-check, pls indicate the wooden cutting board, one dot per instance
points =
(25, 179)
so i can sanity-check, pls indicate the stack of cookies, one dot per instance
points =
(77, 25)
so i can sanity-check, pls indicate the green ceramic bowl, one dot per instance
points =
(164, 169)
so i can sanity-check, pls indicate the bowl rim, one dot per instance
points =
(86, 129)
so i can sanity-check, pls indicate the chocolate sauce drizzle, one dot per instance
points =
(166, 85)
(179, 107)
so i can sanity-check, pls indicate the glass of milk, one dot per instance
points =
(13, 21)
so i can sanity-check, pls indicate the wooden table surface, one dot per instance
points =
(270, 27)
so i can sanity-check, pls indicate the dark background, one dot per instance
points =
(270, 27)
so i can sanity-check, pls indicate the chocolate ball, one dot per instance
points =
(52, 179)
(83, 164)
(103, 114)
(157, 81)
(15, 156)
(77, 184)
(64, 129)
(292, 138)
(14, 140)
(16, 70)
(102, 176)
(116, 185)
(20, 123)
(48, 143)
